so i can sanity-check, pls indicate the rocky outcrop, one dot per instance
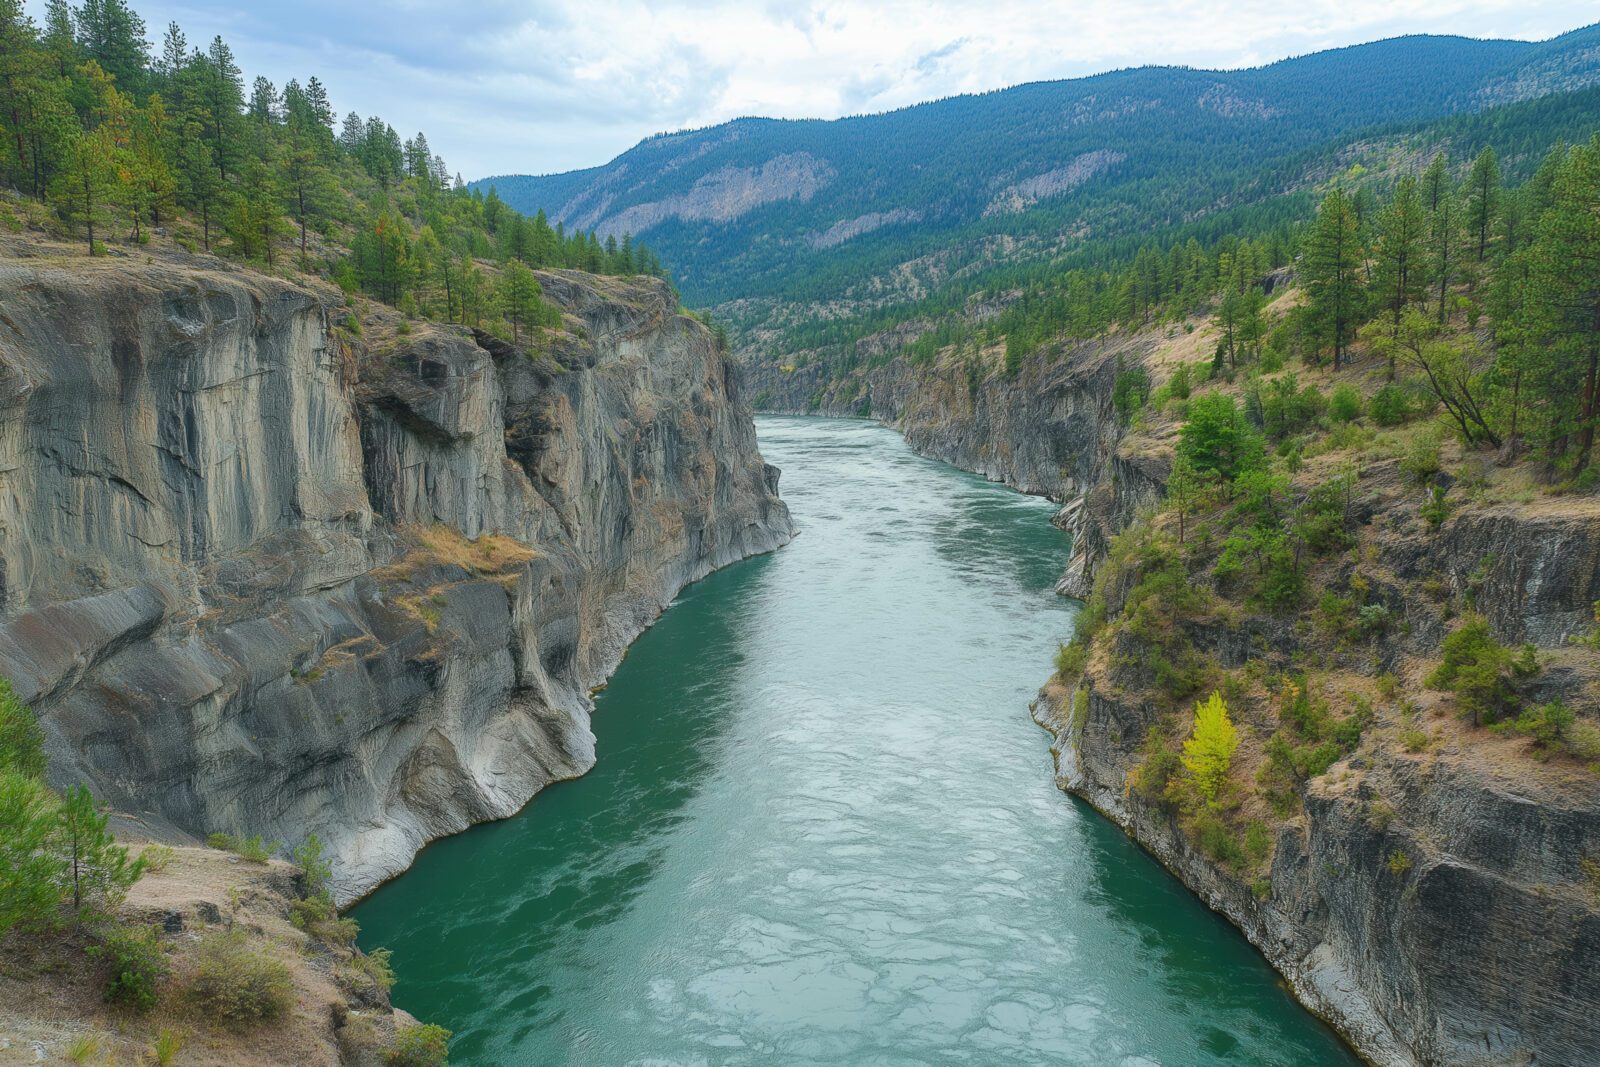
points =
(1050, 430)
(1476, 946)
(1477, 949)
(264, 575)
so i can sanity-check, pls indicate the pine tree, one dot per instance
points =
(29, 873)
(519, 297)
(1398, 272)
(1332, 271)
(1483, 199)
(88, 180)
(199, 185)
(222, 94)
(96, 871)
(1443, 223)
(1561, 312)
(112, 35)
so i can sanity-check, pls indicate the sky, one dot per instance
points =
(541, 86)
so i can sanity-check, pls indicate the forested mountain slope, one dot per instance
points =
(801, 209)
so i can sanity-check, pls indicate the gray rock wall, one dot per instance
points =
(235, 570)
(1483, 952)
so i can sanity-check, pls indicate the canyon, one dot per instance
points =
(277, 565)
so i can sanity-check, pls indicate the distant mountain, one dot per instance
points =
(806, 209)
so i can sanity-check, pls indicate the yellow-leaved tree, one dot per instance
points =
(1209, 752)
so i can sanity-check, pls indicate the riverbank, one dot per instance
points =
(1397, 880)
(822, 830)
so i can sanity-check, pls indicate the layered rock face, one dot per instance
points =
(1482, 950)
(1051, 430)
(263, 576)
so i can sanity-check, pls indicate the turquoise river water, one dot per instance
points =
(824, 831)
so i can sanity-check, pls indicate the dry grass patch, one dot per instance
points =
(441, 545)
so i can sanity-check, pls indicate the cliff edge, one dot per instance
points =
(275, 564)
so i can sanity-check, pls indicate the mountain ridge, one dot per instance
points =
(938, 166)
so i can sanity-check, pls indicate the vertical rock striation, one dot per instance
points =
(260, 575)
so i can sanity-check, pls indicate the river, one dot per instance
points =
(823, 829)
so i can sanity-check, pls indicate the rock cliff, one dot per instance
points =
(270, 566)
(1435, 892)
(1050, 430)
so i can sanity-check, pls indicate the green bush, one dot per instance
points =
(318, 917)
(1159, 771)
(136, 962)
(421, 1045)
(1071, 658)
(1389, 406)
(21, 739)
(1131, 391)
(1548, 724)
(1477, 669)
(239, 982)
(1436, 508)
(1257, 840)
(250, 848)
(1344, 403)
(313, 868)
(1216, 838)
(1178, 385)
(1420, 461)
(371, 969)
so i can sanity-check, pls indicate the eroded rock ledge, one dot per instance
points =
(266, 569)
(1483, 949)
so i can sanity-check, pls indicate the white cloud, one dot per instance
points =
(502, 86)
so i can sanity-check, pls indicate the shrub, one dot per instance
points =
(168, 1044)
(1178, 385)
(80, 1048)
(1208, 754)
(372, 969)
(1436, 508)
(167, 1047)
(157, 858)
(420, 1045)
(1476, 669)
(1157, 770)
(1071, 658)
(1216, 838)
(1399, 863)
(136, 962)
(318, 917)
(1257, 840)
(21, 739)
(1389, 406)
(1420, 461)
(1583, 740)
(1547, 724)
(1344, 404)
(1080, 708)
(250, 848)
(1130, 392)
(238, 982)
(316, 871)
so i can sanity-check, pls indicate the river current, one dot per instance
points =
(823, 829)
